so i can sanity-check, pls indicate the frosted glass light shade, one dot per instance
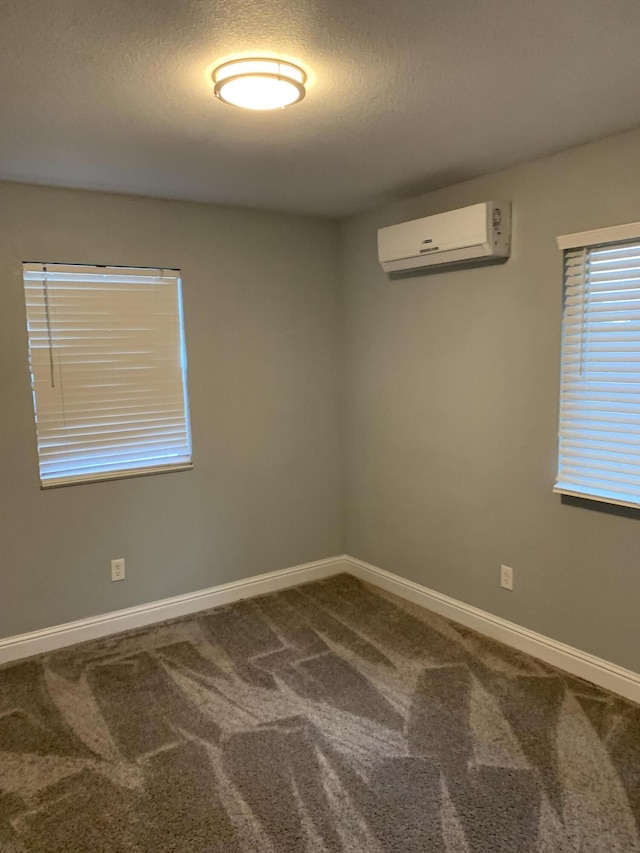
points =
(259, 84)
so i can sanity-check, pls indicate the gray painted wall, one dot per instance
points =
(260, 301)
(445, 428)
(451, 399)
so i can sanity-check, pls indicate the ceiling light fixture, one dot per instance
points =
(259, 84)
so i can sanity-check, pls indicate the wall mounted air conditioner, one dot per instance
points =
(481, 232)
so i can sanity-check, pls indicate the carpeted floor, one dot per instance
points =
(330, 717)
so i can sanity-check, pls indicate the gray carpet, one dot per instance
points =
(329, 717)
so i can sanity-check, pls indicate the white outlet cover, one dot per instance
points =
(117, 569)
(506, 577)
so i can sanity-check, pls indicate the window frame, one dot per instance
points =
(106, 465)
(611, 238)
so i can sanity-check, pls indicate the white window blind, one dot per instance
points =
(599, 436)
(108, 370)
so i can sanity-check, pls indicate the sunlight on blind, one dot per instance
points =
(108, 370)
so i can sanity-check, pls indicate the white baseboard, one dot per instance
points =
(48, 639)
(622, 681)
(581, 664)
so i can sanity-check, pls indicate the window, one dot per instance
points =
(599, 437)
(108, 371)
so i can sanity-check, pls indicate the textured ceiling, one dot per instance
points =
(406, 95)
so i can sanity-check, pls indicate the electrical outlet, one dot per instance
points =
(117, 569)
(506, 577)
